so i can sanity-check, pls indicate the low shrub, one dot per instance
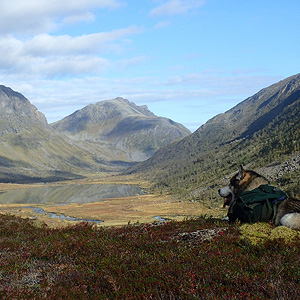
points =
(144, 262)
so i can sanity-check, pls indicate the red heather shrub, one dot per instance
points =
(144, 262)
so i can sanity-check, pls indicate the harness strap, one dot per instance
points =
(279, 199)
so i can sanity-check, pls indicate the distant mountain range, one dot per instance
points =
(107, 136)
(262, 130)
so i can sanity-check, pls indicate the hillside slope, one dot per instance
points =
(129, 131)
(31, 150)
(262, 129)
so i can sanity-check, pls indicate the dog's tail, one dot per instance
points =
(291, 220)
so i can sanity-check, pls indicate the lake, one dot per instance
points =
(70, 193)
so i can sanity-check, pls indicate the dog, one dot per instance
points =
(288, 211)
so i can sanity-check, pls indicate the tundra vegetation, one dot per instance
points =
(201, 258)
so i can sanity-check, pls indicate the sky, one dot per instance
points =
(187, 60)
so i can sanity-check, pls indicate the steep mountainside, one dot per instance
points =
(132, 132)
(31, 150)
(262, 129)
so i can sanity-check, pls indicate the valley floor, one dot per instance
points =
(112, 212)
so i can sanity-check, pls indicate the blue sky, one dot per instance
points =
(187, 60)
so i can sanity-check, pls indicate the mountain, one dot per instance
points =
(263, 129)
(131, 132)
(106, 136)
(30, 150)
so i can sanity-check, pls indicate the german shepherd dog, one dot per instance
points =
(288, 212)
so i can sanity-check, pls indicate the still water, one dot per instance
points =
(81, 193)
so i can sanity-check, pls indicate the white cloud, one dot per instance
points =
(46, 55)
(217, 79)
(84, 17)
(45, 44)
(175, 7)
(72, 65)
(36, 16)
(162, 24)
(125, 63)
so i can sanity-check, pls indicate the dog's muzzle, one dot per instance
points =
(227, 194)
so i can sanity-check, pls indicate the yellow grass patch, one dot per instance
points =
(116, 211)
(259, 232)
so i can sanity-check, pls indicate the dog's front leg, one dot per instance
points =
(281, 211)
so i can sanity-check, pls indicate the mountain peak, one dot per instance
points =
(9, 93)
(20, 111)
(121, 99)
(125, 106)
(123, 126)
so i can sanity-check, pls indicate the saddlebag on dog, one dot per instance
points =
(258, 205)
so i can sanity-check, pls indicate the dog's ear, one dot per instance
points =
(241, 173)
